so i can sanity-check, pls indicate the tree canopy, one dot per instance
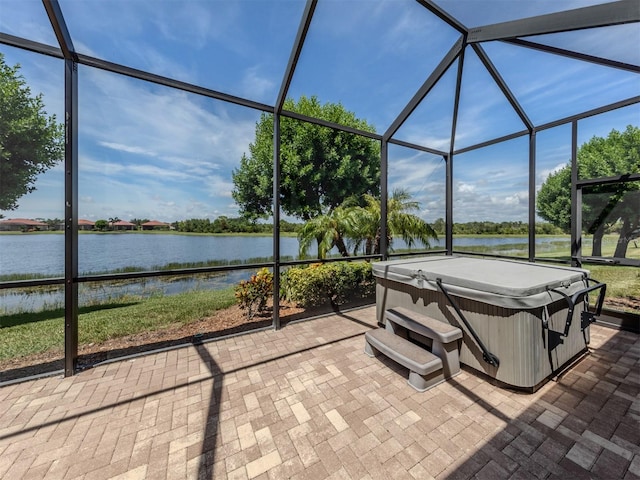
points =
(605, 205)
(30, 141)
(320, 166)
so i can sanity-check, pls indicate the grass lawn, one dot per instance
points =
(32, 333)
(621, 281)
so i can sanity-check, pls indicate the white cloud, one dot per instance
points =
(499, 195)
(518, 198)
(473, 205)
(158, 174)
(484, 112)
(90, 165)
(465, 187)
(423, 135)
(149, 58)
(162, 122)
(126, 148)
(550, 87)
(219, 187)
(544, 173)
(422, 175)
(607, 42)
(413, 171)
(137, 139)
(255, 85)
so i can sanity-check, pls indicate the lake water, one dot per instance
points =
(101, 253)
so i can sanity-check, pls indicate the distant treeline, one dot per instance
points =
(231, 225)
(242, 225)
(496, 228)
(503, 228)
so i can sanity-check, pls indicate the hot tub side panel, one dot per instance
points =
(528, 353)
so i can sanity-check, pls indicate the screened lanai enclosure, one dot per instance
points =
(164, 161)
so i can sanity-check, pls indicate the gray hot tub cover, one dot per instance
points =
(505, 283)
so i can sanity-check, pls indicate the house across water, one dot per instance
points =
(22, 225)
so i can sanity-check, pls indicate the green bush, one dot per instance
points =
(253, 294)
(318, 284)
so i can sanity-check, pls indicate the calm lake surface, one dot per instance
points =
(100, 253)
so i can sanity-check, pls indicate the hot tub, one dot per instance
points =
(521, 322)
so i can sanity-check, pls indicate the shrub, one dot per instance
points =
(253, 294)
(304, 285)
(318, 284)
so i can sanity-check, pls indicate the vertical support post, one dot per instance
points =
(449, 204)
(384, 197)
(532, 195)
(303, 28)
(71, 218)
(276, 220)
(576, 201)
(449, 159)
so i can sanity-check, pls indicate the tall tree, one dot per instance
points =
(603, 206)
(112, 221)
(320, 166)
(30, 141)
(101, 225)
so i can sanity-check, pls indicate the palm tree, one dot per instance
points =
(400, 223)
(328, 231)
(408, 226)
(113, 220)
(351, 228)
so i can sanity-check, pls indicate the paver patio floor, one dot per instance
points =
(305, 402)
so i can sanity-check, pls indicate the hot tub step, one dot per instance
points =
(443, 335)
(425, 369)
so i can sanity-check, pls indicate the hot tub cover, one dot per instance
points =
(505, 283)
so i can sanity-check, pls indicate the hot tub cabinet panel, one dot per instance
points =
(524, 330)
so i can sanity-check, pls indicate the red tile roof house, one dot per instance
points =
(22, 224)
(123, 225)
(82, 225)
(155, 225)
(85, 224)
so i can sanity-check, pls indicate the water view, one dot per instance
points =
(102, 253)
(43, 255)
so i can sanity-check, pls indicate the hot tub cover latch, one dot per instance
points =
(571, 301)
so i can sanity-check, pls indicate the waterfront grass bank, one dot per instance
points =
(30, 333)
(34, 332)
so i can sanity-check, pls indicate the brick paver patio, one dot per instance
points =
(305, 402)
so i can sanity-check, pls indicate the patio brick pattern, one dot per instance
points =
(305, 402)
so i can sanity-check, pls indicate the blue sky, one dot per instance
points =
(152, 152)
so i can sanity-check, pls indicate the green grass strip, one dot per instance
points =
(32, 333)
